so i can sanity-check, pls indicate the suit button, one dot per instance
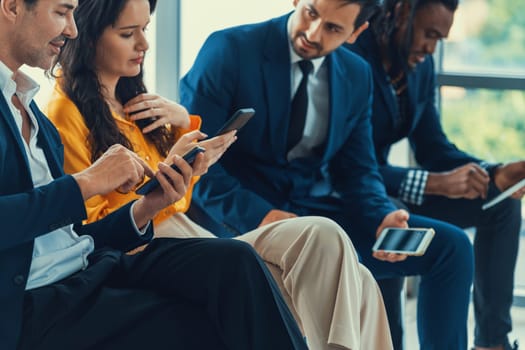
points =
(19, 279)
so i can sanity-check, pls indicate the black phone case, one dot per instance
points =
(237, 121)
(154, 183)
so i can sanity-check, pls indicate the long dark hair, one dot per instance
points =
(78, 79)
(384, 27)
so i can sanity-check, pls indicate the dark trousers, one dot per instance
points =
(495, 250)
(176, 294)
(446, 271)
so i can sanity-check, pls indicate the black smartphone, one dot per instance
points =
(127, 95)
(409, 241)
(237, 120)
(153, 183)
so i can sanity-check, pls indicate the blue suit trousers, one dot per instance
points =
(496, 244)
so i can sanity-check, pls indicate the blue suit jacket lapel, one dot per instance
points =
(53, 157)
(13, 129)
(276, 71)
(412, 88)
(340, 92)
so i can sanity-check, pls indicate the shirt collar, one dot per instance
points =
(294, 57)
(19, 82)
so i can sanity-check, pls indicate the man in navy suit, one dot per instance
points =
(74, 288)
(451, 185)
(331, 170)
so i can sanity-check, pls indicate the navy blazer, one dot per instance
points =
(432, 149)
(249, 66)
(28, 212)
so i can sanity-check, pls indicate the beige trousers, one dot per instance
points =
(333, 297)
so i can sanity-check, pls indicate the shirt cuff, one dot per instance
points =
(139, 231)
(490, 168)
(412, 187)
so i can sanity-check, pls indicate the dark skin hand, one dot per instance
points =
(508, 174)
(467, 181)
(471, 181)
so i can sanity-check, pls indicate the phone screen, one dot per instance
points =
(237, 121)
(153, 183)
(402, 240)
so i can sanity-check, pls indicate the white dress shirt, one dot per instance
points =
(62, 252)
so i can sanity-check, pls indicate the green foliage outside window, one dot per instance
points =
(487, 123)
(489, 39)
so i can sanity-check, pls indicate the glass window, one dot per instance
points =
(197, 24)
(488, 36)
(489, 124)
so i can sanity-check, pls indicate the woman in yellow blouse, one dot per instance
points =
(79, 153)
(99, 100)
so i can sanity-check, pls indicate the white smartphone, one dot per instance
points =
(409, 241)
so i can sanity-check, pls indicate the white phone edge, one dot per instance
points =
(421, 249)
(507, 193)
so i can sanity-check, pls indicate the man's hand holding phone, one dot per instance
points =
(397, 218)
(172, 182)
(187, 160)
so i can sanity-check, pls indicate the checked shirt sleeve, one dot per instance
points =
(413, 187)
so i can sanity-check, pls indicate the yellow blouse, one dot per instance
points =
(77, 154)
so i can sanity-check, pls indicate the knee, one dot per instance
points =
(461, 245)
(458, 251)
(369, 280)
(325, 235)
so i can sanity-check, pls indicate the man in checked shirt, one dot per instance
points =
(450, 185)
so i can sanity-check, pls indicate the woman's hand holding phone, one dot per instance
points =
(185, 143)
(215, 148)
(223, 139)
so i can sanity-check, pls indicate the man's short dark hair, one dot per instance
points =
(368, 9)
(30, 3)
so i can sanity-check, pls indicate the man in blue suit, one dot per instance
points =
(74, 288)
(330, 169)
(451, 185)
